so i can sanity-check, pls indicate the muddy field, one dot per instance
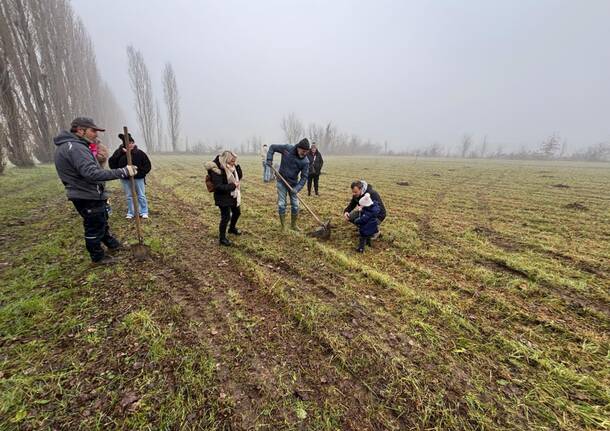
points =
(485, 305)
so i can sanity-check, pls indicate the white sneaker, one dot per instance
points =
(144, 216)
(128, 216)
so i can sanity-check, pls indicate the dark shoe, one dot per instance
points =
(283, 221)
(106, 260)
(225, 242)
(360, 250)
(234, 231)
(368, 242)
(117, 249)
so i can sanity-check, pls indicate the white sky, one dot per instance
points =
(411, 72)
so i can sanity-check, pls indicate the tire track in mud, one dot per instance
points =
(264, 346)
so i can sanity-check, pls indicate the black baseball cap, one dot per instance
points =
(86, 123)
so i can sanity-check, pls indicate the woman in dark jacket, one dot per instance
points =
(141, 160)
(226, 175)
(315, 168)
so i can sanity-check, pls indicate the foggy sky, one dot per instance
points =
(410, 72)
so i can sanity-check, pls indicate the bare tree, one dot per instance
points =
(550, 146)
(483, 150)
(293, 128)
(172, 99)
(142, 90)
(3, 141)
(160, 144)
(564, 148)
(48, 75)
(14, 137)
(466, 144)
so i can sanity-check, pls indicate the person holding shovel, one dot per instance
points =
(294, 163)
(139, 159)
(226, 176)
(84, 181)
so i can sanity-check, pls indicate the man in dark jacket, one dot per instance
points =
(84, 179)
(142, 162)
(359, 189)
(294, 163)
(315, 168)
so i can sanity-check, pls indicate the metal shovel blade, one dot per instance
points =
(140, 251)
(323, 231)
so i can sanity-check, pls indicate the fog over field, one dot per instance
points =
(409, 73)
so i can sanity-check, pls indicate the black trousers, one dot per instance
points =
(95, 222)
(228, 214)
(364, 240)
(315, 178)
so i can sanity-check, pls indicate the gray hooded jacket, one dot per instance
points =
(79, 170)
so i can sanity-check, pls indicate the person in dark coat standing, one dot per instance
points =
(84, 180)
(141, 160)
(295, 169)
(315, 169)
(226, 175)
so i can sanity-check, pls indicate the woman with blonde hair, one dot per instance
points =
(226, 176)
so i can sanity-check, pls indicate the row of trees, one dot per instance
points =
(48, 76)
(147, 109)
(551, 148)
(327, 137)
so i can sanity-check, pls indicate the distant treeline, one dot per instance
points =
(327, 137)
(552, 148)
(48, 76)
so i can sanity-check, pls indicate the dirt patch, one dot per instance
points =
(403, 183)
(576, 206)
(496, 238)
(497, 264)
(561, 186)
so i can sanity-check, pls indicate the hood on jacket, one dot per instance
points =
(365, 187)
(213, 165)
(65, 136)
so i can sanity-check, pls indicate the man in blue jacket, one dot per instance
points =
(294, 162)
(83, 178)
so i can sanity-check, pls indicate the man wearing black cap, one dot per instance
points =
(84, 178)
(294, 162)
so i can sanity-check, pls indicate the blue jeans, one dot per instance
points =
(282, 191)
(266, 172)
(141, 191)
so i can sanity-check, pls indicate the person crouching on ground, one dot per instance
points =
(84, 180)
(367, 222)
(359, 189)
(141, 160)
(226, 175)
(294, 163)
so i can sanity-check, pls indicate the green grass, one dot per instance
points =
(484, 306)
